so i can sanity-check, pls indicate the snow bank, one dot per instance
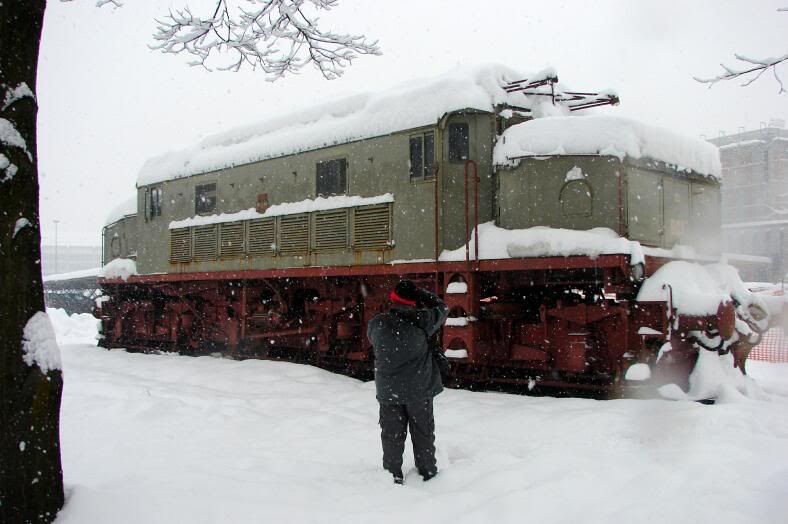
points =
(540, 241)
(39, 345)
(162, 439)
(714, 377)
(79, 328)
(122, 210)
(413, 104)
(287, 208)
(121, 268)
(605, 135)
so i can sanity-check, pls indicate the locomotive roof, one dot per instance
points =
(606, 135)
(126, 208)
(411, 105)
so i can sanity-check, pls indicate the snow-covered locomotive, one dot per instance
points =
(552, 236)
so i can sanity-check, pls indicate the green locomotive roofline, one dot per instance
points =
(419, 103)
(605, 135)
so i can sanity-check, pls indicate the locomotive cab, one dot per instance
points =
(639, 194)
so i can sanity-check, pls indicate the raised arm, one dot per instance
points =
(432, 311)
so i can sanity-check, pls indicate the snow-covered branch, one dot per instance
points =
(751, 69)
(278, 36)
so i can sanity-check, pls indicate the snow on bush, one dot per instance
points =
(39, 345)
(605, 135)
(121, 268)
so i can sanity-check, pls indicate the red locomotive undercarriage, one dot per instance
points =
(555, 321)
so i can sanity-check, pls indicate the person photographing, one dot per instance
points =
(407, 377)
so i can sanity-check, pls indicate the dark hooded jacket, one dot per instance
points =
(404, 368)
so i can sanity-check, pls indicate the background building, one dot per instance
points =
(755, 197)
(67, 259)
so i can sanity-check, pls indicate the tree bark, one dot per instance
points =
(31, 477)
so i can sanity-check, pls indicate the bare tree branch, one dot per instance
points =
(750, 74)
(760, 66)
(277, 36)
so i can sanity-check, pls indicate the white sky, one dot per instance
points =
(107, 102)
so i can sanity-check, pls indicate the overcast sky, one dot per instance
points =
(108, 102)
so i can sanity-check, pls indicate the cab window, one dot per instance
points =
(458, 142)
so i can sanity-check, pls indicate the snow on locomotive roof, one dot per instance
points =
(413, 104)
(605, 135)
(122, 210)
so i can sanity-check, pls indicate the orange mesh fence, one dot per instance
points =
(773, 347)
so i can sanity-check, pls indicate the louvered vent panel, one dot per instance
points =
(231, 244)
(331, 230)
(372, 227)
(180, 245)
(293, 234)
(205, 242)
(262, 237)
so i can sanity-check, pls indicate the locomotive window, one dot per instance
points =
(331, 177)
(205, 199)
(154, 202)
(422, 156)
(458, 142)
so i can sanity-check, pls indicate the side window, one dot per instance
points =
(154, 202)
(458, 142)
(331, 177)
(422, 156)
(205, 199)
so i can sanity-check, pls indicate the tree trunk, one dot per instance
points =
(31, 477)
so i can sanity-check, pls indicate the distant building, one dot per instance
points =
(755, 195)
(67, 259)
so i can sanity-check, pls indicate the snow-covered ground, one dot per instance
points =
(171, 439)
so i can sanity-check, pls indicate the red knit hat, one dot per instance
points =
(404, 293)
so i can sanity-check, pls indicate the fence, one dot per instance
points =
(773, 347)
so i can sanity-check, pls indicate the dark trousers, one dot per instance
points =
(394, 422)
